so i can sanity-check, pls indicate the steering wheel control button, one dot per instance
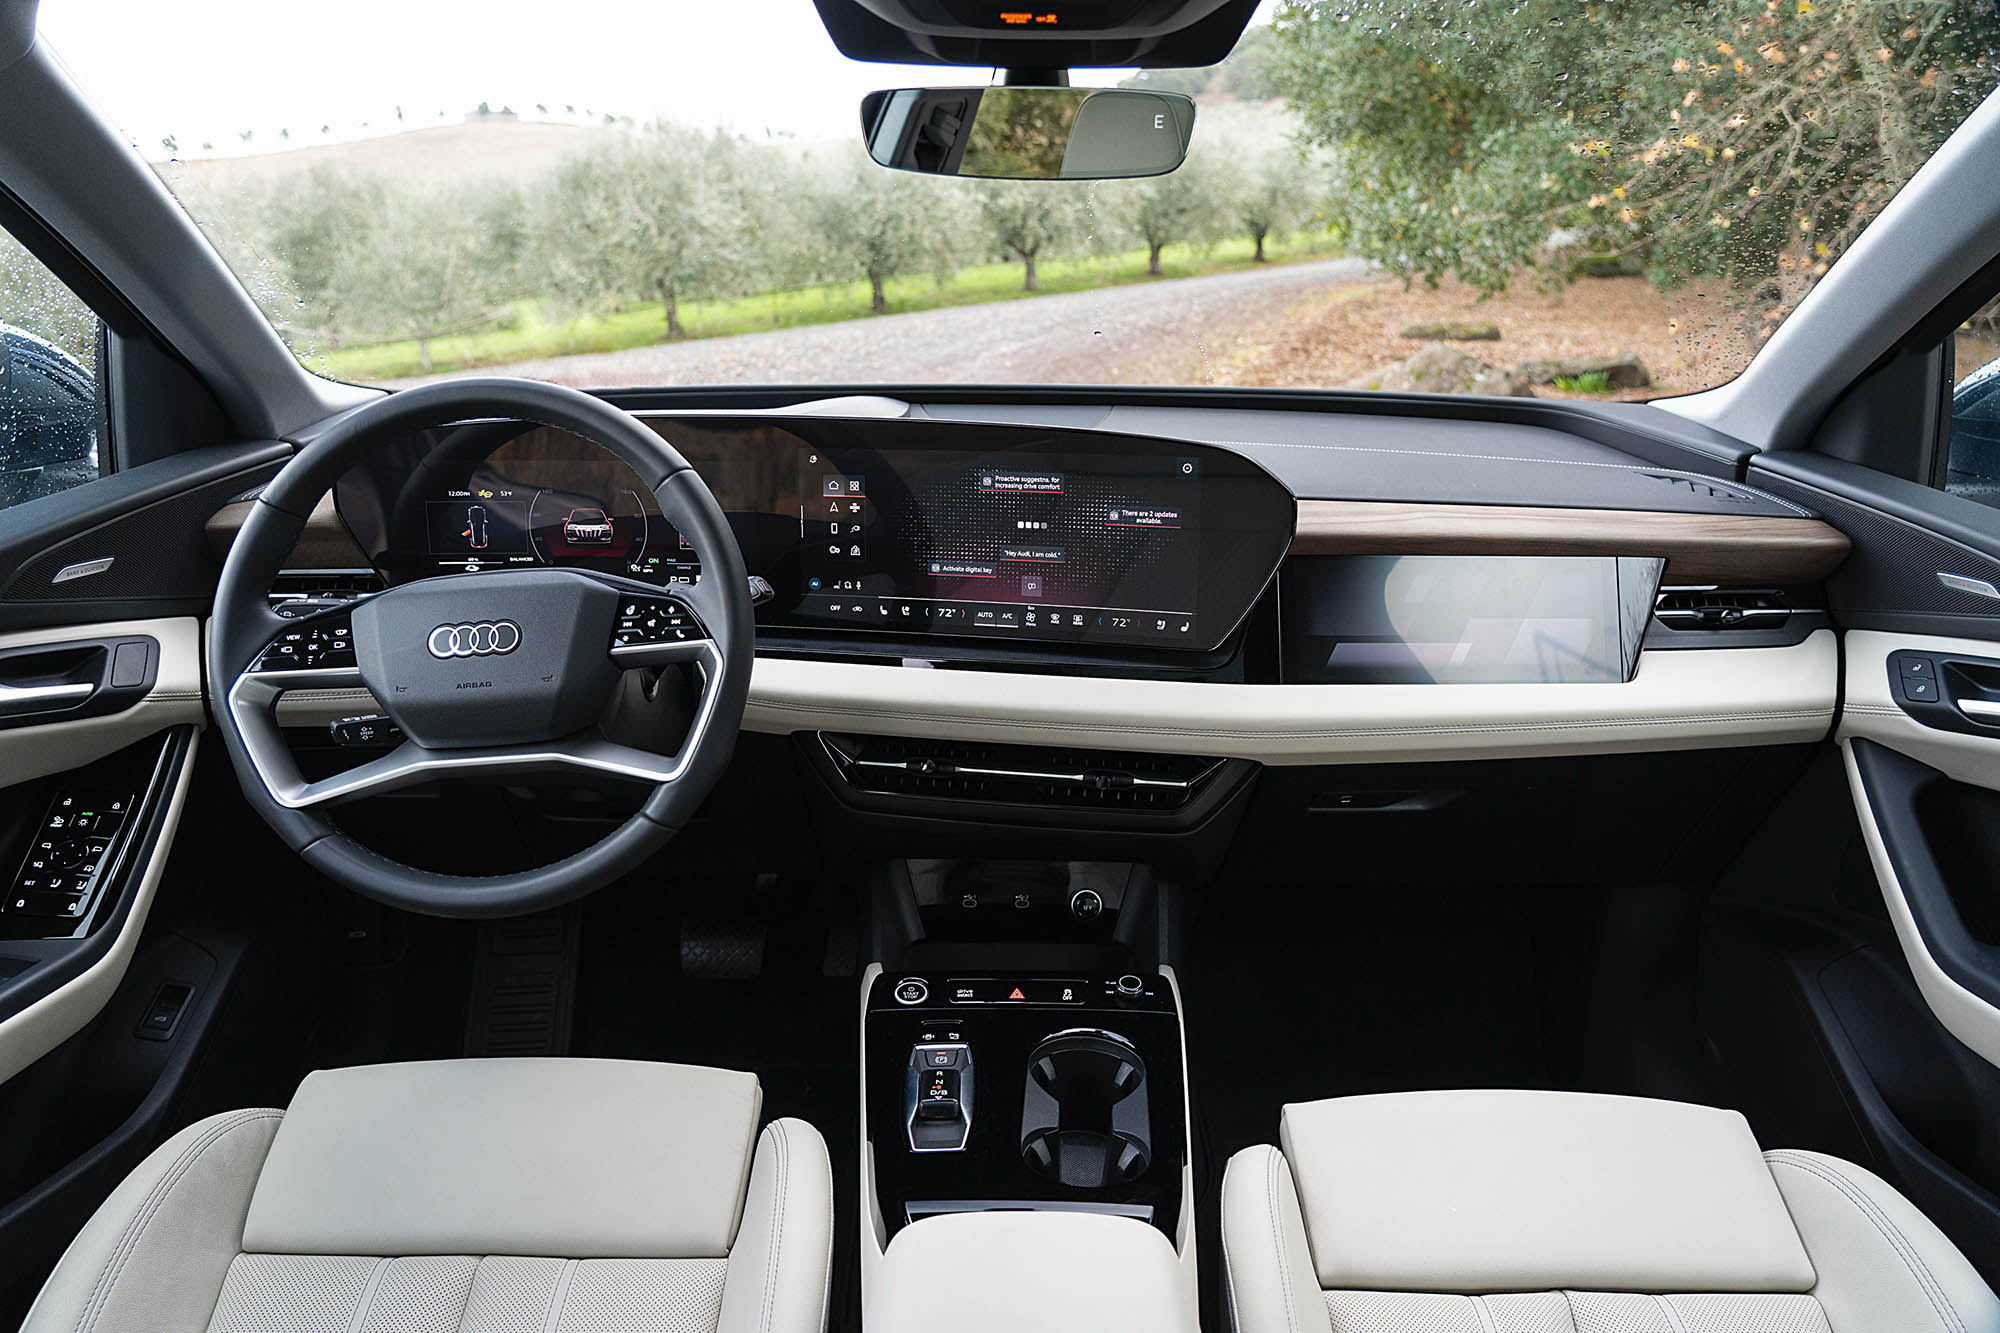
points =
(326, 645)
(368, 729)
(910, 990)
(644, 621)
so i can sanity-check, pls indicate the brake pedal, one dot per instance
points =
(731, 950)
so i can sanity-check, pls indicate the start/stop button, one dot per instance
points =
(912, 990)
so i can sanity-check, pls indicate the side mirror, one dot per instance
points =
(1974, 463)
(1028, 133)
(48, 418)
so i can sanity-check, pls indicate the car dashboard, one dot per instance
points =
(1151, 583)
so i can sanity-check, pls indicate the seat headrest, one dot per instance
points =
(558, 1157)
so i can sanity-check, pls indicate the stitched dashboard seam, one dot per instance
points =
(1280, 732)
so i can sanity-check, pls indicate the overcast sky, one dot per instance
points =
(206, 70)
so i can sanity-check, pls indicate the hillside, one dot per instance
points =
(512, 149)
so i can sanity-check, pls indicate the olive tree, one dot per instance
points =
(1739, 138)
(1192, 204)
(432, 269)
(34, 299)
(878, 224)
(658, 215)
(1026, 219)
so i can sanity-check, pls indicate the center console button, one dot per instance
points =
(911, 990)
(1130, 985)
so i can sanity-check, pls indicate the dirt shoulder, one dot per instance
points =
(1688, 339)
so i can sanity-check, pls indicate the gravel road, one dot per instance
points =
(1170, 331)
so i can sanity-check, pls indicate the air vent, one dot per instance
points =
(1019, 774)
(1721, 608)
(1703, 487)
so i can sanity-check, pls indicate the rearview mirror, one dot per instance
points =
(1028, 133)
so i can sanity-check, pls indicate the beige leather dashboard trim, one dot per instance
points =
(1685, 699)
(31, 752)
(50, 1021)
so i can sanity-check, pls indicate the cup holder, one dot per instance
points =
(1085, 1122)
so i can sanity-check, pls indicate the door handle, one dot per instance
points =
(58, 682)
(1948, 691)
(36, 698)
(1984, 710)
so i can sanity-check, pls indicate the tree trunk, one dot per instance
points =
(1153, 261)
(672, 304)
(1260, 233)
(877, 302)
(424, 354)
(1028, 282)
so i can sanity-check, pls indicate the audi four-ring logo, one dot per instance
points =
(488, 638)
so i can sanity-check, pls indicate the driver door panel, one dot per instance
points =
(102, 592)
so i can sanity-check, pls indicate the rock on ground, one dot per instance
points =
(1439, 368)
(1453, 331)
(1624, 372)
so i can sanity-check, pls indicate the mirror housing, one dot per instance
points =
(48, 418)
(1013, 133)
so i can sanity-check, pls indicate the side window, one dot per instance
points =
(1972, 467)
(48, 381)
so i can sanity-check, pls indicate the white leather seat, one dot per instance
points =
(490, 1196)
(1547, 1212)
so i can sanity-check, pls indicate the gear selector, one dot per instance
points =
(937, 1097)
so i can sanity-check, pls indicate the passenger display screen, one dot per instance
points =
(1046, 545)
(1415, 619)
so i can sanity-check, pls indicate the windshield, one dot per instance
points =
(1618, 200)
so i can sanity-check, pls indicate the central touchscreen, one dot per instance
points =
(1055, 545)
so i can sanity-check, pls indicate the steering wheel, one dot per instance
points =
(491, 673)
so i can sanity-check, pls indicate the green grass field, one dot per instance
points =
(524, 336)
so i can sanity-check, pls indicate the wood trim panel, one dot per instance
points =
(324, 544)
(1699, 548)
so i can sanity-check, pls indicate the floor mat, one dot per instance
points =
(796, 1028)
(1298, 992)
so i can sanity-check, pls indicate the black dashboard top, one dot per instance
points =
(1419, 459)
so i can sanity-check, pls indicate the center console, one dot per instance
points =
(987, 1093)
